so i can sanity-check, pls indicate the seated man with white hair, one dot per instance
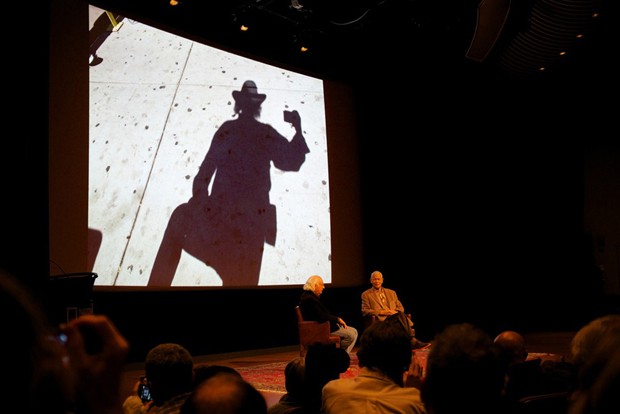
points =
(313, 310)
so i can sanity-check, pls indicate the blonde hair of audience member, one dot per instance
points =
(598, 386)
(588, 337)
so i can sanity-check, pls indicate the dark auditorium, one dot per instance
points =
(311, 207)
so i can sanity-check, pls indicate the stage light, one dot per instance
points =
(244, 28)
(173, 2)
(304, 49)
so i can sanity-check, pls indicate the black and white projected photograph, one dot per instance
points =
(206, 168)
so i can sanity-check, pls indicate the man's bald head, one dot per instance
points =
(513, 344)
(225, 393)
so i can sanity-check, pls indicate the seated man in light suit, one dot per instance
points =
(383, 303)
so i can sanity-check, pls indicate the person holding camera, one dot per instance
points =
(169, 377)
(76, 369)
(97, 366)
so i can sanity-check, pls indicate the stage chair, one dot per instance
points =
(311, 332)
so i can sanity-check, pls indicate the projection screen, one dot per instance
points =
(157, 102)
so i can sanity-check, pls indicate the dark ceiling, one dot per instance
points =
(347, 39)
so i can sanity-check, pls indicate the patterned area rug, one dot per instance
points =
(270, 377)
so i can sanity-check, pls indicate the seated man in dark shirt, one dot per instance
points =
(313, 310)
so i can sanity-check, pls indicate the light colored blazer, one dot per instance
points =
(370, 392)
(372, 305)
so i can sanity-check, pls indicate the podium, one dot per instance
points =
(69, 296)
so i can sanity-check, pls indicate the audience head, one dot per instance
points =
(324, 362)
(599, 378)
(386, 348)
(588, 337)
(314, 284)
(169, 371)
(464, 369)
(513, 345)
(225, 393)
(204, 372)
(295, 377)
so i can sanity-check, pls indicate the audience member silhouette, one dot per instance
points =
(530, 377)
(598, 389)
(383, 384)
(228, 227)
(294, 401)
(45, 375)
(312, 309)
(589, 336)
(170, 377)
(225, 393)
(596, 353)
(204, 372)
(465, 371)
(512, 345)
(323, 363)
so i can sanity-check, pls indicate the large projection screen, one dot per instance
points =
(157, 101)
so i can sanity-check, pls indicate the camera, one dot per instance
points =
(92, 341)
(143, 390)
(289, 116)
